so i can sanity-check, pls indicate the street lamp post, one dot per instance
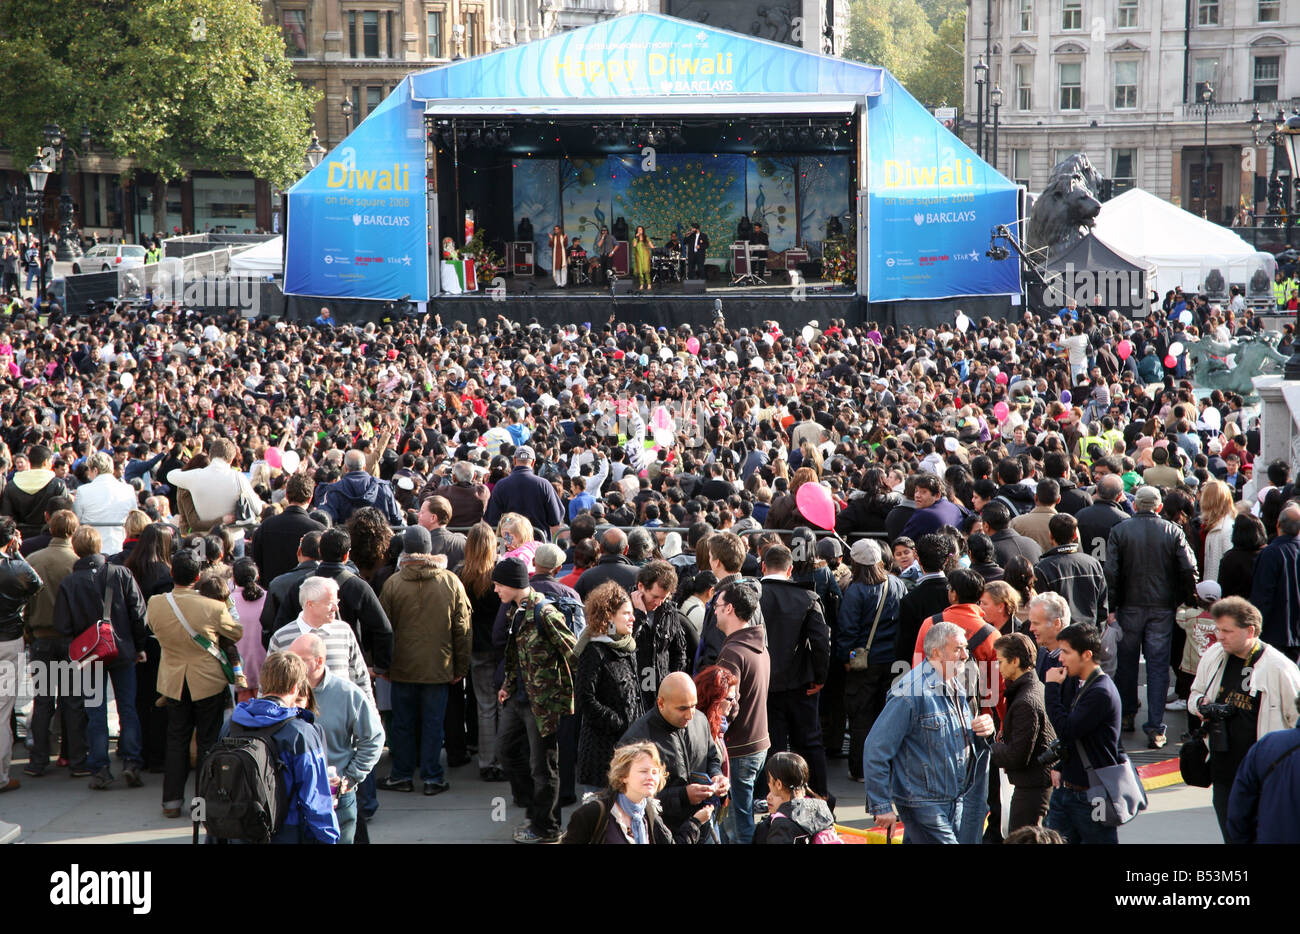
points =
(346, 107)
(315, 153)
(995, 99)
(38, 173)
(69, 247)
(1207, 95)
(981, 70)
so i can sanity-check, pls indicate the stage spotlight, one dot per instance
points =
(760, 137)
(600, 135)
(790, 135)
(476, 137)
(822, 135)
(657, 137)
(677, 139)
(832, 135)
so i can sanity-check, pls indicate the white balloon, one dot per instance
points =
(290, 461)
(665, 353)
(756, 363)
(127, 380)
(731, 357)
(963, 323)
(809, 332)
(1185, 316)
(664, 438)
(1176, 349)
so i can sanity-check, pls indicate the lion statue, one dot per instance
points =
(1066, 210)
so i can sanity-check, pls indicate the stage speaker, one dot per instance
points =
(693, 286)
(624, 287)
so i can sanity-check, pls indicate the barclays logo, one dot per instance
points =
(379, 220)
(919, 218)
(943, 217)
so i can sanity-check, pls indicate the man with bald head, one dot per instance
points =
(612, 565)
(1276, 588)
(681, 732)
(359, 488)
(354, 737)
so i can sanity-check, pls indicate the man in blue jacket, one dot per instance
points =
(1262, 807)
(527, 494)
(919, 758)
(359, 488)
(1083, 705)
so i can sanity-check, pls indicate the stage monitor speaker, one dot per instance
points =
(624, 287)
(693, 286)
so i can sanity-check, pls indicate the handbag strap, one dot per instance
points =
(202, 642)
(171, 600)
(880, 608)
(108, 595)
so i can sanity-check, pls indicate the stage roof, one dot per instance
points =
(645, 55)
(720, 107)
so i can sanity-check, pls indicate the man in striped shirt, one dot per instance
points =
(319, 599)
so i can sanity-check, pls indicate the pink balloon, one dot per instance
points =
(875, 338)
(273, 458)
(1170, 362)
(1001, 379)
(1000, 412)
(693, 345)
(1125, 348)
(814, 501)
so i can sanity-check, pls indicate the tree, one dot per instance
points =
(893, 34)
(939, 82)
(168, 84)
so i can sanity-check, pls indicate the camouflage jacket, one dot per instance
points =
(541, 648)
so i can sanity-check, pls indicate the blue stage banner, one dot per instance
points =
(645, 55)
(931, 207)
(358, 221)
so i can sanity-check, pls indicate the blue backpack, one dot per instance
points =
(574, 612)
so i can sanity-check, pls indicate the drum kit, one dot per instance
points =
(579, 272)
(667, 264)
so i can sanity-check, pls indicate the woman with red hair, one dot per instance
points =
(717, 693)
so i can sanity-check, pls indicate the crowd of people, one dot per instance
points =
(668, 576)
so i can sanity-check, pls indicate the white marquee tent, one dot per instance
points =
(265, 259)
(1184, 248)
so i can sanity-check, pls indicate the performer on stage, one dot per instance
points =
(605, 246)
(559, 256)
(697, 249)
(641, 247)
(758, 250)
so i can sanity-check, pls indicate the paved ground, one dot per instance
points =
(57, 809)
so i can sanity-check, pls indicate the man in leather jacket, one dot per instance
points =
(18, 584)
(1150, 572)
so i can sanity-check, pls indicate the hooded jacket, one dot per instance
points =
(356, 490)
(796, 821)
(27, 496)
(745, 655)
(539, 651)
(310, 812)
(430, 614)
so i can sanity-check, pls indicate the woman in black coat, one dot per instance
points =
(1025, 734)
(607, 689)
(1237, 569)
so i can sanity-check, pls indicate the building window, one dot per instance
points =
(472, 27)
(1071, 14)
(366, 38)
(1126, 14)
(434, 48)
(373, 96)
(1071, 82)
(1204, 71)
(1024, 87)
(1207, 12)
(293, 27)
(1123, 169)
(1026, 15)
(1267, 69)
(1020, 166)
(1270, 11)
(1126, 85)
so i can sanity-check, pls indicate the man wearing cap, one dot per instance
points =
(1150, 572)
(536, 693)
(527, 494)
(430, 613)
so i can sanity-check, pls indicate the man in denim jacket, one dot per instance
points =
(921, 752)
